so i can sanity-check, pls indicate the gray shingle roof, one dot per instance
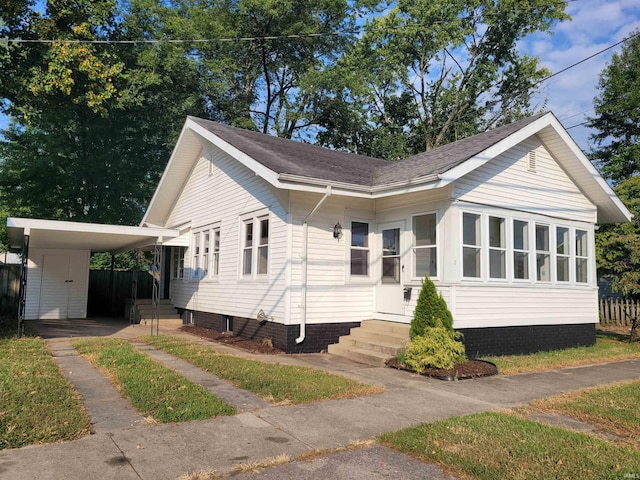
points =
(306, 160)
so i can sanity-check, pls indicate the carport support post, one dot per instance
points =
(156, 268)
(22, 299)
(113, 261)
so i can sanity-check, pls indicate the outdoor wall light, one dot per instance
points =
(337, 231)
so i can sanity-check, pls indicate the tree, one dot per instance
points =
(431, 310)
(92, 124)
(430, 73)
(618, 248)
(617, 119)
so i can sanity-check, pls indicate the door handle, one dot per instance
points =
(68, 281)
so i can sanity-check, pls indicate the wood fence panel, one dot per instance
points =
(9, 289)
(618, 312)
(107, 300)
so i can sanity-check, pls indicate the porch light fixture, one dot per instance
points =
(337, 231)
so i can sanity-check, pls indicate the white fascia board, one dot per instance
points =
(80, 227)
(253, 165)
(162, 181)
(496, 149)
(593, 172)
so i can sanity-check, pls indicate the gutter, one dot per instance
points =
(305, 248)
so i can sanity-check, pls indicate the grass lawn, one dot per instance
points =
(499, 446)
(609, 347)
(282, 384)
(153, 389)
(37, 403)
(613, 408)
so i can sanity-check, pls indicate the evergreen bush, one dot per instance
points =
(438, 347)
(431, 310)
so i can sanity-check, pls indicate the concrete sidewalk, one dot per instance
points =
(133, 450)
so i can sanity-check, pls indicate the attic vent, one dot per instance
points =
(531, 161)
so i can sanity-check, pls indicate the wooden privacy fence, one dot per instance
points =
(9, 289)
(618, 311)
(106, 301)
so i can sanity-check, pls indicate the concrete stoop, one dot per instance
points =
(166, 310)
(373, 342)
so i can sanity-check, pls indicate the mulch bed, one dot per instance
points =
(253, 346)
(468, 369)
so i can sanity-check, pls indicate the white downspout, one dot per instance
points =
(303, 300)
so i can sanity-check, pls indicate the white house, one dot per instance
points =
(296, 243)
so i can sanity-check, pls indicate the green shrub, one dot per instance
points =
(437, 348)
(431, 310)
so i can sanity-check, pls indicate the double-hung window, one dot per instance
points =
(497, 248)
(520, 250)
(255, 246)
(196, 257)
(471, 245)
(582, 256)
(425, 252)
(562, 254)
(215, 252)
(543, 254)
(177, 262)
(359, 248)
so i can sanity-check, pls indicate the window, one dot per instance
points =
(497, 248)
(562, 254)
(582, 260)
(255, 247)
(263, 247)
(206, 247)
(195, 258)
(359, 248)
(425, 254)
(177, 262)
(543, 255)
(247, 249)
(471, 245)
(215, 259)
(520, 250)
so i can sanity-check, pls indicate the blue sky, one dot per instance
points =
(595, 25)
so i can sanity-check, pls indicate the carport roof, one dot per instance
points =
(83, 236)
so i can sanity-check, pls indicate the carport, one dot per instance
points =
(54, 277)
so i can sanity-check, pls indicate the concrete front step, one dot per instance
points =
(374, 342)
(359, 355)
(391, 349)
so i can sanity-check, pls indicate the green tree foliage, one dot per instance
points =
(617, 119)
(92, 124)
(431, 72)
(431, 311)
(618, 248)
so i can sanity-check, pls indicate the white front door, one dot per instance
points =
(389, 290)
(54, 287)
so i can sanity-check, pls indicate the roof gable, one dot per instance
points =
(294, 165)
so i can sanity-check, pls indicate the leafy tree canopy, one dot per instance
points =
(617, 119)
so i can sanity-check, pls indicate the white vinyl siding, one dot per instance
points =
(491, 305)
(506, 182)
(227, 193)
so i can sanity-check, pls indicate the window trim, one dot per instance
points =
(504, 248)
(513, 250)
(436, 245)
(205, 254)
(177, 261)
(479, 246)
(255, 219)
(354, 277)
(548, 252)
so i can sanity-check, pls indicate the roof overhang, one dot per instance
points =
(194, 138)
(96, 237)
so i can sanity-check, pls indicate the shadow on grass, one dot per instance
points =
(620, 337)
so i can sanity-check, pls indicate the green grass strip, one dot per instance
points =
(608, 348)
(37, 402)
(613, 405)
(282, 384)
(498, 446)
(153, 389)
